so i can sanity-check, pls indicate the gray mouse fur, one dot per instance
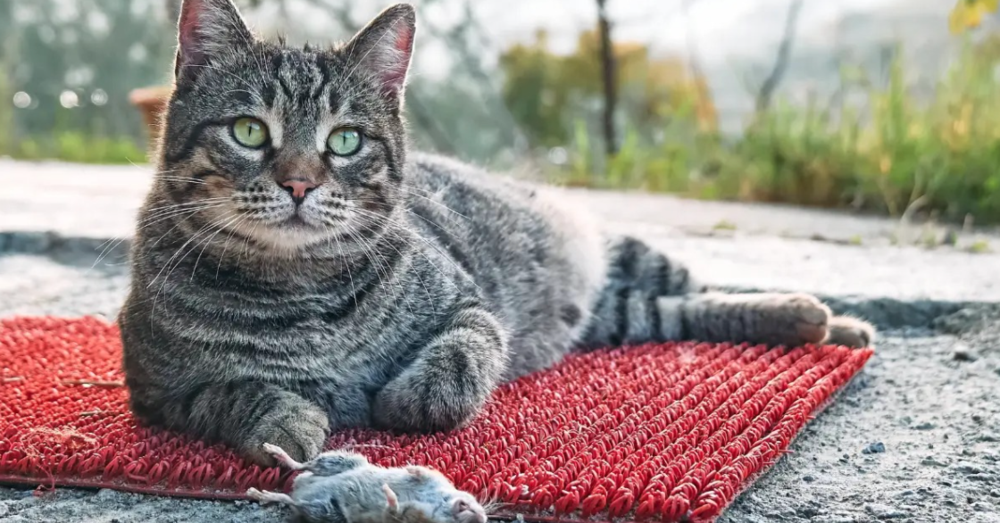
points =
(343, 487)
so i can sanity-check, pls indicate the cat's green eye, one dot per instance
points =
(250, 132)
(344, 141)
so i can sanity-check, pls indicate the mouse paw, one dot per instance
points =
(282, 457)
(295, 427)
(390, 497)
(265, 497)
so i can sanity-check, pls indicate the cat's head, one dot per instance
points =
(289, 147)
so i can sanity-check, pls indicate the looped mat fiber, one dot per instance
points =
(668, 431)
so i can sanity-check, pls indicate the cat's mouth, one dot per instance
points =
(297, 221)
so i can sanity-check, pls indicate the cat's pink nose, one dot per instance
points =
(298, 188)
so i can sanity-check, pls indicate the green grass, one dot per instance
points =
(72, 146)
(941, 155)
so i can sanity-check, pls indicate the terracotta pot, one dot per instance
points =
(151, 102)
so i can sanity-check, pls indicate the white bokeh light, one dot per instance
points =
(69, 99)
(99, 97)
(558, 155)
(22, 100)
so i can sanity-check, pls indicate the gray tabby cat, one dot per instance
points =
(297, 270)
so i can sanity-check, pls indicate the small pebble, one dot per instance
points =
(874, 448)
(965, 467)
(884, 511)
(932, 462)
(964, 355)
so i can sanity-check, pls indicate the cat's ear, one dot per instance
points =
(384, 47)
(206, 29)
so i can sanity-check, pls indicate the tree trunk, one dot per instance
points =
(608, 78)
(770, 85)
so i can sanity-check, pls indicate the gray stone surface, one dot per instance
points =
(929, 395)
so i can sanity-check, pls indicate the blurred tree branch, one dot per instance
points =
(703, 97)
(607, 78)
(773, 80)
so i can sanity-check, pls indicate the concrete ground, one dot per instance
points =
(915, 437)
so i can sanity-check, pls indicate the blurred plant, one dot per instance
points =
(67, 70)
(546, 92)
(889, 152)
(968, 14)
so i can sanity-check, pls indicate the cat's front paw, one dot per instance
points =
(297, 427)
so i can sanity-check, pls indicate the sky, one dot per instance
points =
(724, 31)
(721, 28)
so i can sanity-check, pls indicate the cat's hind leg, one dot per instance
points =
(652, 297)
(790, 319)
(852, 332)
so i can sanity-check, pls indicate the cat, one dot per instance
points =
(296, 269)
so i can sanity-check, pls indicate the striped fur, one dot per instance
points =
(401, 291)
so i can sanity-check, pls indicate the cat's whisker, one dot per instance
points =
(153, 219)
(180, 179)
(354, 291)
(199, 234)
(420, 280)
(364, 249)
(178, 251)
(106, 249)
(249, 44)
(225, 247)
(429, 244)
(208, 241)
(184, 214)
(435, 202)
(205, 201)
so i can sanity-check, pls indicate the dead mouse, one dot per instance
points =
(342, 487)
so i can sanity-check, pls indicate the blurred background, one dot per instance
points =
(882, 106)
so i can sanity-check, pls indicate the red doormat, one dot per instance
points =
(671, 432)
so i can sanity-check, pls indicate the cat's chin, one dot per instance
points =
(290, 240)
(289, 237)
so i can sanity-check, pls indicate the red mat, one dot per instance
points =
(667, 431)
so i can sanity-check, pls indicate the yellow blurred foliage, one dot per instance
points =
(544, 90)
(968, 14)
